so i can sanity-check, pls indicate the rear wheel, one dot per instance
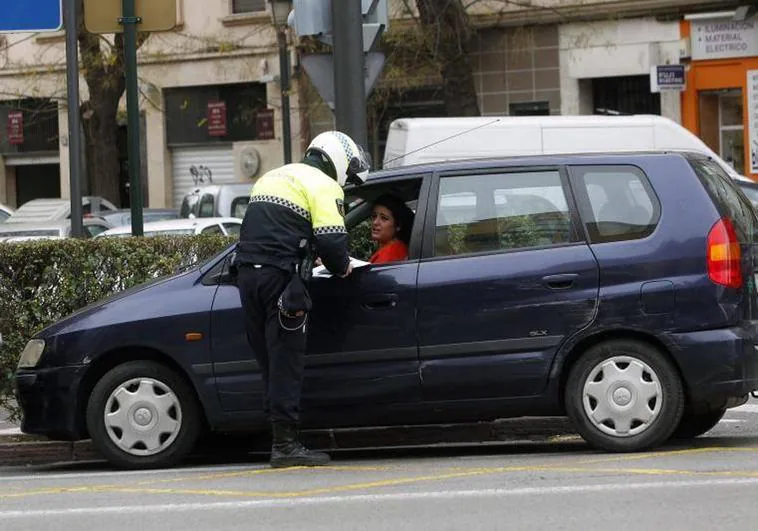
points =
(143, 415)
(693, 425)
(624, 396)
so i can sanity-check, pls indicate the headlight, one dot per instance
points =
(31, 354)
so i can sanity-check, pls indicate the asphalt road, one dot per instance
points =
(708, 484)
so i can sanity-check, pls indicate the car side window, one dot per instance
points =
(239, 206)
(94, 230)
(500, 212)
(206, 206)
(213, 229)
(723, 191)
(619, 204)
(233, 229)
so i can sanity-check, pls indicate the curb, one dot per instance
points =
(28, 450)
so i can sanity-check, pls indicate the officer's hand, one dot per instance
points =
(349, 270)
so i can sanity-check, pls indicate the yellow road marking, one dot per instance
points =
(142, 487)
(262, 471)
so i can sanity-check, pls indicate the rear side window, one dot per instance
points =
(501, 212)
(724, 193)
(617, 203)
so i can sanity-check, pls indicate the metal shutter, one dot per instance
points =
(220, 161)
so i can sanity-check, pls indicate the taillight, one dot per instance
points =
(723, 255)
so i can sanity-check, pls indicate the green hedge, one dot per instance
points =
(43, 281)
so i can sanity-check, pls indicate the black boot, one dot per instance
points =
(287, 450)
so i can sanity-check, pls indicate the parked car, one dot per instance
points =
(217, 200)
(123, 217)
(5, 212)
(615, 289)
(179, 227)
(44, 210)
(50, 230)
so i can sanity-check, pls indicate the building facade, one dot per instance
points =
(210, 105)
(211, 100)
(720, 103)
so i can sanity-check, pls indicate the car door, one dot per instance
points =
(362, 342)
(506, 276)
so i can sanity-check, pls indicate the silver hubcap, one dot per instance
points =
(622, 396)
(143, 416)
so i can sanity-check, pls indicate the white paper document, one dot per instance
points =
(323, 272)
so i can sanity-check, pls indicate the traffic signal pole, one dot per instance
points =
(130, 20)
(74, 118)
(349, 75)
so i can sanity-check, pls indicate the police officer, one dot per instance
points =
(296, 203)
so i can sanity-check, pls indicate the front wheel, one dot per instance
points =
(143, 415)
(624, 396)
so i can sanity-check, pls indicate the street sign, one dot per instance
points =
(15, 128)
(102, 16)
(667, 77)
(320, 69)
(264, 124)
(37, 16)
(217, 118)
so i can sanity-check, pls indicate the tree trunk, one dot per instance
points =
(101, 146)
(448, 35)
(103, 69)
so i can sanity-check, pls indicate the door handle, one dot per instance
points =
(562, 281)
(380, 301)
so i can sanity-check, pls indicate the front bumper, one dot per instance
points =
(718, 364)
(49, 401)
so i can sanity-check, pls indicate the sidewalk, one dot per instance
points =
(18, 449)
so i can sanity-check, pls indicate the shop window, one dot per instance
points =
(532, 108)
(187, 113)
(624, 95)
(248, 6)
(721, 125)
(39, 126)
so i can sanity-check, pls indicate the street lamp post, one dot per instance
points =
(280, 10)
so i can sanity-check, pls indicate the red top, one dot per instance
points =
(391, 252)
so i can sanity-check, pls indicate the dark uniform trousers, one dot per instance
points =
(280, 353)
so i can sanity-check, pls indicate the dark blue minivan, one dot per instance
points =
(616, 289)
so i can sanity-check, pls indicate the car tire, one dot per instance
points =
(624, 396)
(143, 415)
(693, 425)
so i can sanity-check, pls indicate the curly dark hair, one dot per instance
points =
(400, 211)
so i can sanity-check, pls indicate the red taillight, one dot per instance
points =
(723, 255)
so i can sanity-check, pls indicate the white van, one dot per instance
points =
(420, 140)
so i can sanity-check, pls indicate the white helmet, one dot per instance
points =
(351, 163)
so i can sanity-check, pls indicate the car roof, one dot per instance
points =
(41, 210)
(37, 225)
(174, 224)
(526, 160)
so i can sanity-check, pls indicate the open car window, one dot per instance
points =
(359, 205)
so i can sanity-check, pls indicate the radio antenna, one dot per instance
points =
(444, 140)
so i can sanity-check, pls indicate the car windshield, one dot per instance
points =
(189, 206)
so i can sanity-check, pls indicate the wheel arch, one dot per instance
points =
(112, 359)
(575, 352)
